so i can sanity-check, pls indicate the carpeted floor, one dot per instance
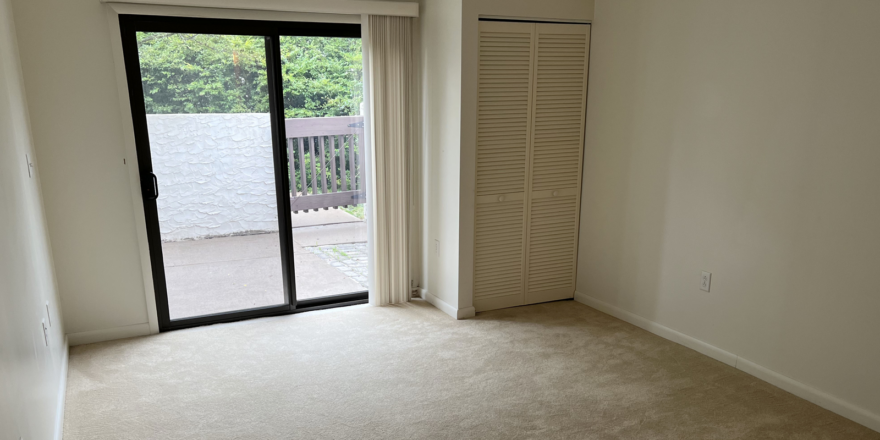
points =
(551, 371)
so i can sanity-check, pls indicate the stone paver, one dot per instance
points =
(350, 258)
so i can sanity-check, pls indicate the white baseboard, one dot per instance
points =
(467, 312)
(806, 392)
(109, 334)
(62, 391)
(659, 330)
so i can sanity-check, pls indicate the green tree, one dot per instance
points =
(322, 76)
(198, 73)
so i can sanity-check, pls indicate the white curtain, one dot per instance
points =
(391, 92)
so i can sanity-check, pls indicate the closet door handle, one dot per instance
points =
(150, 187)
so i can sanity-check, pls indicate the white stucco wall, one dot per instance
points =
(215, 172)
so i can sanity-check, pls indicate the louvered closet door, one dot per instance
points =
(503, 133)
(560, 92)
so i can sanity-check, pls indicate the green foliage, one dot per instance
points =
(196, 73)
(356, 210)
(322, 76)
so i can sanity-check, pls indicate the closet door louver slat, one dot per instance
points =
(503, 132)
(560, 91)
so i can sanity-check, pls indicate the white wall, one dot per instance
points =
(741, 138)
(215, 172)
(69, 74)
(440, 23)
(562, 10)
(31, 373)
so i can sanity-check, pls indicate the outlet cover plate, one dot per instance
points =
(705, 281)
(30, 165)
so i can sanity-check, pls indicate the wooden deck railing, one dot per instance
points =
(326, 162)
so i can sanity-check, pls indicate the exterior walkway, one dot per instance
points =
(241, 272)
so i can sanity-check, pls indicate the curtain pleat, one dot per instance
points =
(391, 92)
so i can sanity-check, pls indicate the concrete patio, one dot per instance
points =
(241, 272)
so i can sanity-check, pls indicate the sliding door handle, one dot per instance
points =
(150, 187)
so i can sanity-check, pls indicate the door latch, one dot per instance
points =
(150, 187)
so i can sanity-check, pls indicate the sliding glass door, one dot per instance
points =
(210, 138)
(324, 125)
(250, 152)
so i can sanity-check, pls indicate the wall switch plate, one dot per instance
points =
(436, 247)
(30, 165)
(45, 333)
(705, 281)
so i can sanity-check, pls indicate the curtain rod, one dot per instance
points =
(373, 7)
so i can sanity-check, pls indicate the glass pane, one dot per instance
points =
(323, 101)
(207, 103)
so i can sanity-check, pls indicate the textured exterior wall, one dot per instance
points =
(216, 174)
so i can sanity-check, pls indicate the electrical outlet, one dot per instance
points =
(705, 281)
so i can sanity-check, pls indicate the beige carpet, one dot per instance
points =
(552, 371)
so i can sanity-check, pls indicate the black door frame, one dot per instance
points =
(272, 32)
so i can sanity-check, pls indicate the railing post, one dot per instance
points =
(332, 163)
(314, 165)
(323, 165)
(302, 168)
(291, 167)
(361, 170)
(351, 162)
(341, 140)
